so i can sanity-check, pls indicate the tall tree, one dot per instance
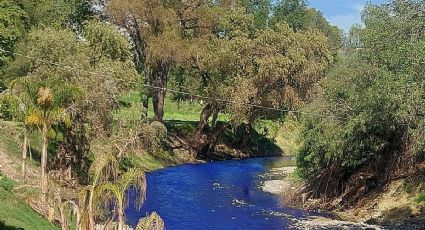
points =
(374, 105)
(271, 68)
(12, 29)
(160, 32)
(293, 12)
(83, 78)
(260, 9)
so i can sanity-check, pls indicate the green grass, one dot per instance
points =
(284, 134)
(15, 214)
(145, 161)
(420, 198)
(11, 138)
(130, 109)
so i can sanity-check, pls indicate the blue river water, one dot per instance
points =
(218, 195)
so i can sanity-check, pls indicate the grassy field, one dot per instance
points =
(15, 214)
(11, 138)
(184, 111)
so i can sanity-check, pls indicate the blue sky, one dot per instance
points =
(343, 13)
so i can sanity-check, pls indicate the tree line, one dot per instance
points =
(373, 102)
(65, 63)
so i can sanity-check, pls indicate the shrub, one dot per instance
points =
(6, 183)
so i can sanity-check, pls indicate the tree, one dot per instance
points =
(293, 12)
(104, 167)
(271, 68)
(47, 110)
(116, 191)
(260, 9)
(12, 28)
(372, 103)
(85, 84)
(299, 16)
(161, 33)
(56, 13)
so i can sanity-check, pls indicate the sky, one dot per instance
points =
(342, 13)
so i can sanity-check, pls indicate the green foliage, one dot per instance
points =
(56, 13)
(420, 198)
(9, 106)
(12, 27)
(299, 16)
(293, 12)
(260, 9)
(6, 183)
(372, 106)
(105, 40)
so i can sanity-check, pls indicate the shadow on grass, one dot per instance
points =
(181, 127)
(3, 226)
(242, 138)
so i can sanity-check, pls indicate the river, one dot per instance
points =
(218, 195)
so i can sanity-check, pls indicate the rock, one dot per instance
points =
(217, 185)
(326, 223)
(238, 202)
(182, 154)
(112, 225)
(275, 186)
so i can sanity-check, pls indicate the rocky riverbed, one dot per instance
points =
(277, 180)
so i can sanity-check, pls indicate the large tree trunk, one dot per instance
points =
(44, 163)
(202, 137)
(160, 82)
(24, 153)
(140, 60)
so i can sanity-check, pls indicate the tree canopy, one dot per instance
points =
(372, 104)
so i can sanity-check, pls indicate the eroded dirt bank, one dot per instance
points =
(393, 208)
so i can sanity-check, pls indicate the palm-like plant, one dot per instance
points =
(116, 191)
(109, 186)
(44, 115)
(43, 104)
(104, 167)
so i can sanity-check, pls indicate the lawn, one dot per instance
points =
(184, 111)
(15, 214)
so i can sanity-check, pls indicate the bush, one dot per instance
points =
(8, 105)
(420, 198)
(367, 125)
(6, 183)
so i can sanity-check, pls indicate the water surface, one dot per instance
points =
(218, 195)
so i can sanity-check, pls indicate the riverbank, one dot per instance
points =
(393, 208)
(175, 150)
